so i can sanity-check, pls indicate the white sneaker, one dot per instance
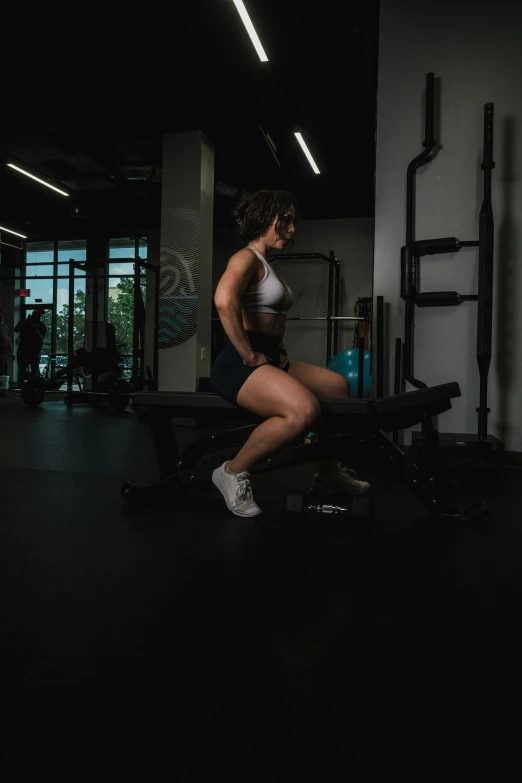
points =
(236, 489)
(344, 480)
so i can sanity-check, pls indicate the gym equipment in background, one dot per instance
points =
(332, 317)
(101, 365)
(142, 376)
(353, 423)
(138, 379)
(363, 330)
(486, 446)
(347, 364)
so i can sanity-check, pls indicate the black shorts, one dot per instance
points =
(229, 372)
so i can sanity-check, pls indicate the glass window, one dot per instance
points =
(122, 248)
(120, 310)
(120, 289)
(47, 319)
(121, 268)
(39, 252)
(62, 314)
(77, 250)
(142, 251)
(39, 264)
(39, 270)
(39, 260)
(42, 291)
(126, 250)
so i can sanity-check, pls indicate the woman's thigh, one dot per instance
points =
(321, 382)
(271, 392)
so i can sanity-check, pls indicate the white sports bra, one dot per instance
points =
(270, 295)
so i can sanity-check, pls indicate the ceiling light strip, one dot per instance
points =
(10, 231)
(306, 151)
(243, 13)
(41, 181)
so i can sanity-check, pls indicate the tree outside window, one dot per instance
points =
(120, 311)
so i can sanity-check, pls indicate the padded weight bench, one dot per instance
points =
(352, 422)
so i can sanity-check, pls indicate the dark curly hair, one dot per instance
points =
(256, 212)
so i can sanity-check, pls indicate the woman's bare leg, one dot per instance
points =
(288, 407)
(322, 383)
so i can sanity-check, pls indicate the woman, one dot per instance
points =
(253, 370)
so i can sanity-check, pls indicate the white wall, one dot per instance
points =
(352, 242)
(475, 52)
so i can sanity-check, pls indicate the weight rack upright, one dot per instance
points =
(486, 446)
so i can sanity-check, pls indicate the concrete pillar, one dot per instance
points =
(186, 261)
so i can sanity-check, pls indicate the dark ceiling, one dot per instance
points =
(94, 111)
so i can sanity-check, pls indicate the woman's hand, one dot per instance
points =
(257, 360)
(283, 361)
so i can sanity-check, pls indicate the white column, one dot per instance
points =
(186, 261)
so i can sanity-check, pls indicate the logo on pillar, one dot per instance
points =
(179, 276)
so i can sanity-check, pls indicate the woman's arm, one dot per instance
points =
(20, 324)
(227, 299)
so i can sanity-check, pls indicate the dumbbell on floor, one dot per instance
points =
(339, 507)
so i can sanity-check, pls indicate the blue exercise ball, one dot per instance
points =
(346, 363)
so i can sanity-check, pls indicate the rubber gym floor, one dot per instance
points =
(182, 641)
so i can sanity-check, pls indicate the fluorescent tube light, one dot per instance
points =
(41, 181)
(9, 231)
(243, 13)
(306, 151)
